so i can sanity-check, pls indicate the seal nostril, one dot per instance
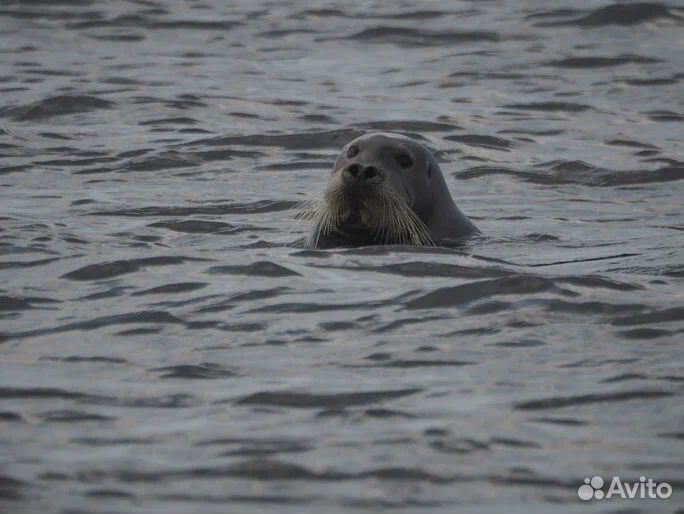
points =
(354, 170)
(370, 172)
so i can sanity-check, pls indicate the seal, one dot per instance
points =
(385, 188)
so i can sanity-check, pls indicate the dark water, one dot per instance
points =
(165, 346)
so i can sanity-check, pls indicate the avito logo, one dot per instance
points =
(644, 488)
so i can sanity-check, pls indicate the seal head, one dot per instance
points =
(385, 189)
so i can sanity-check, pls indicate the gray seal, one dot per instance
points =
(385, 188)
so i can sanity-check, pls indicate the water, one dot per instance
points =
(167, 346)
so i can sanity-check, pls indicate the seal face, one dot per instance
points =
(384, 189)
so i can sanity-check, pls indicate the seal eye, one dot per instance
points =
(353, 151)
(404, 160)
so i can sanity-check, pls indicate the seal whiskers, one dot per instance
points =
(384, 213)
(327, 210)
(395, 222)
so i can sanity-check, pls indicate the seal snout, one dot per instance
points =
(358, 174)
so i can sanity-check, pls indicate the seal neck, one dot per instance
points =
(446, 220)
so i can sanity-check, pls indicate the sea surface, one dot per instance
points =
(168, 346)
